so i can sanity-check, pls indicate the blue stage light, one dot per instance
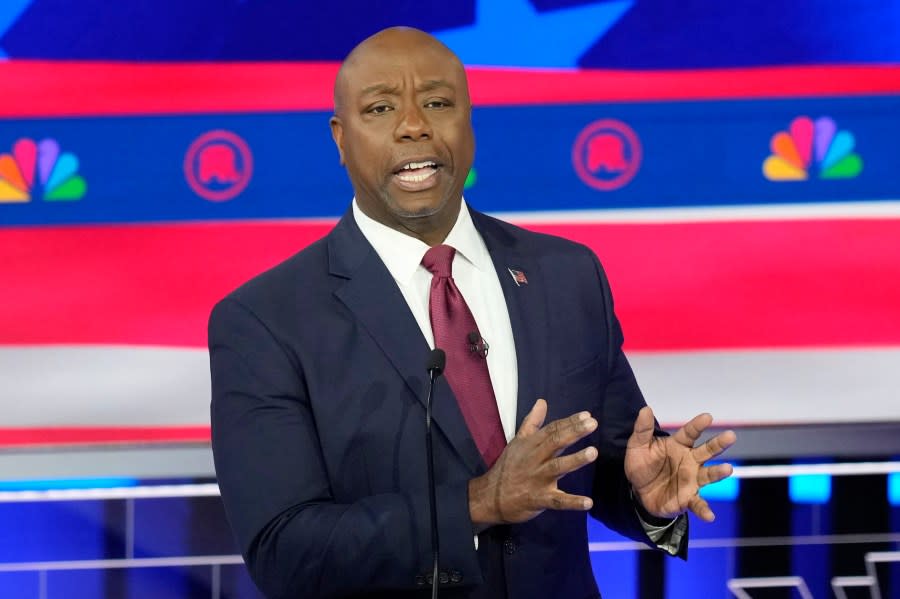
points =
(66, 483)
(894, 488)
(810, 488)
(724, 490)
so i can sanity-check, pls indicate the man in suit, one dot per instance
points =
(319, 379)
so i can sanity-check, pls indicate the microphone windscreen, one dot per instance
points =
(437, 359)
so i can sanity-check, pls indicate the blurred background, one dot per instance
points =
(735, 166)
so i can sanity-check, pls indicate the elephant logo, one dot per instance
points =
(218, 165)
(606, 154)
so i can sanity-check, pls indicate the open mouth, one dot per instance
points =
(416, 172)
(417, 175)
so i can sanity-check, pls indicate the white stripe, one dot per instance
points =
(889, 208)
(730, 542)
(148, 492)
(892, 557)
(212, 489)
(142, 562)
(851, 581)
(847, 469)
(829, 210)
(756, 387)
(56, 385)
(737, 585)
(874, 558)
(129, 386)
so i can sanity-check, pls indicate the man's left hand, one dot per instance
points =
(667, 473)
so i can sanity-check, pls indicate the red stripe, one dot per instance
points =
(67, 88)
(20, 437)
(132, 284)
(751, 284)
(678, 286)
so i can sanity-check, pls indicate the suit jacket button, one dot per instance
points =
(509, 546)
(455, 576)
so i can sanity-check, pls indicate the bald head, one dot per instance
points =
(395, 44)
(402, 125)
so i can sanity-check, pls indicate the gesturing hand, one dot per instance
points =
(666, 473)
(523, 481)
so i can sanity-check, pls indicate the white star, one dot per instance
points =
(513, 33)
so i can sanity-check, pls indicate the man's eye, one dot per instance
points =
(380, 109)
(437, 104)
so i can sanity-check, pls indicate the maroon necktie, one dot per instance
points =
(466, 369)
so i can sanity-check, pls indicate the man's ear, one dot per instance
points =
(337, 134)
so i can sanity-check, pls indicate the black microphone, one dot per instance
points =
(437, 359)
(477, 344)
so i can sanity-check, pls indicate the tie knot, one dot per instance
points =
(439, 260)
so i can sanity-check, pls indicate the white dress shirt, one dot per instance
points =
(476, 278)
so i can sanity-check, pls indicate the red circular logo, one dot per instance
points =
(218, 165)
(606, 154)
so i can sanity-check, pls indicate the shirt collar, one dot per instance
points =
(402, 253)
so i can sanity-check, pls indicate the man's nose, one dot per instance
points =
(413, 125)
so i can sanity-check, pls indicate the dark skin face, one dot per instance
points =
(402, 126)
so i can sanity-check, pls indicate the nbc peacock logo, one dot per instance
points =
(810, 148)
(39, 170)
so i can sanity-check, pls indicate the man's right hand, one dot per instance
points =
(523, 481)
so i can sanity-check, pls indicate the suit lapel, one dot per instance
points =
(374, 298)
(527, 306)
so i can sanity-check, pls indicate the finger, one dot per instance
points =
(714, 446)
(561, 433)
(688, 434)
(713, 474)
(559, 467)
(699, 506)
(534, 420)
(643, 428)
(559, 500)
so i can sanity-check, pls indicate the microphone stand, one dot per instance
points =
(436, 361)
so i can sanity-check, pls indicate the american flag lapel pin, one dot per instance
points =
(518, 276)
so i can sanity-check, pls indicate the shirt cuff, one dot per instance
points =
(667, 536)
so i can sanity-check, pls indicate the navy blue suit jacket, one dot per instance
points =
(318, 388)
